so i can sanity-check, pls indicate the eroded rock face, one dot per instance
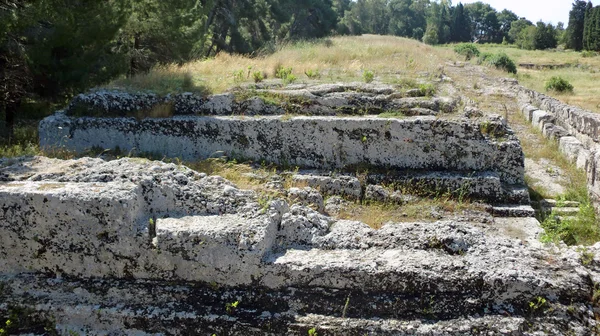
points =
(140, 247)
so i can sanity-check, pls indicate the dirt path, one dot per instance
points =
(488, 90)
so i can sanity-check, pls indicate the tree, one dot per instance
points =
(574, 32)
(516, 27)
(461, 26)
(593, 27)
(545, 36)
(526, 38)
(406, 17)
(54, 48)
(485, 25)
(587, 26)
(505, 19)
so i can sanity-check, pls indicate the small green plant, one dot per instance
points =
(468, 50)
(258, 76)
(283, 72)
(364, 139)
(312, 332)
(368, 76)
(586, 257)
(231, 307)
(559, 85)
(427, 90)
(539, 303)
(312, 74)
(238, 76)
(289, 79)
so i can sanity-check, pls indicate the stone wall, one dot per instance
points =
(576, 130)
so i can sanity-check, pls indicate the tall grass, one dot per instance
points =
(337, 59)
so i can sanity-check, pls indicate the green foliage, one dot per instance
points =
(537, 304)
(587, 53)
(283, 72)
(574, 33)
(368, 76)
(258, 76)
(500, 61)
(312, 74)
(231, 307)
(558, 84)
(312, 332)
(238, 76)
(580, 230)
(468, 50)
(286, 75)
(427, 90)
(591, 33)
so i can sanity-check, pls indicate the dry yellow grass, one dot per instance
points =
(376, 215)
(344, 58)
(585, 79)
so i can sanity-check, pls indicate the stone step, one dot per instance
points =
(513, 211)
(561, 211)
(551, 203)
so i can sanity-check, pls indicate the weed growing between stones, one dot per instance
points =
(582, 229)
(19, 321)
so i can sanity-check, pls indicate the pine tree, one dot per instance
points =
(461, 27)
(574, 33)
(587, 26)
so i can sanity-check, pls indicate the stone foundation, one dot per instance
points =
(139, 247)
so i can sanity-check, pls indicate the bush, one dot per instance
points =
(558, 84)
(468, 50)
(588, 53)
(312, 74)
(258, 76)
(500, 61)
(283, 72)
(368, 76)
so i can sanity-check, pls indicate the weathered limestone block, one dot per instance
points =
(539, 118)
(422, 143)
(570, 147)
(307, 196)
(347, 186)
(528, 111)
(77, 245)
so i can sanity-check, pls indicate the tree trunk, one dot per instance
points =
(9, 119)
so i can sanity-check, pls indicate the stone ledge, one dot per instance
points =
(423, 143)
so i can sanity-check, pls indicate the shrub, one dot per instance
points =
(238, 76)
(258, 76)
(427, 90)
(588, 53)
(289, 79)
(312, 74)
(368, 76)
(468, 50)
(283, 72)
(558, 84)
(500, 61)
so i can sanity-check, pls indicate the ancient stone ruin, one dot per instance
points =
(134, 246)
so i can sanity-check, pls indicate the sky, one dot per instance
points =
(534, 10)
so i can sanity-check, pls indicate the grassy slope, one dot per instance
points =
(392, 60)
(586, 79)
